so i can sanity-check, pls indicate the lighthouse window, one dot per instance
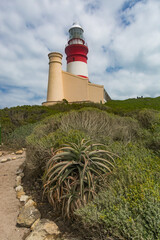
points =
(76, 33)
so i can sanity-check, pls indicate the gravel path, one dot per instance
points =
(9, 205)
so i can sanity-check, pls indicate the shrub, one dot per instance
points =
(74, 174)
(17, 139)
(98, 124)
(148, 118)
(129, 208)
(73, 126)
(39, 146)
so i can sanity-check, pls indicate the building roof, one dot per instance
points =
(76, 25)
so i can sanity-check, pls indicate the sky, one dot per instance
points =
(123, 38)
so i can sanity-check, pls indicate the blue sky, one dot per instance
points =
(123, 39)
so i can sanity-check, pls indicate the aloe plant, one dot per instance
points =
(74, 174)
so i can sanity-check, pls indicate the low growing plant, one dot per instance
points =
(74, 174)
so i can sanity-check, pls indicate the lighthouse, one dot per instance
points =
(72, 85)
(76, 51)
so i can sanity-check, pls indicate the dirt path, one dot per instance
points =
(9, 205)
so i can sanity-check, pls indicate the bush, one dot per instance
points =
(148, 118)
(39, 148)
(17, 139)
(98, 124)
(74, 173)
(129, 208)
(86, 123)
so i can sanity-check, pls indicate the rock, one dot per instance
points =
(27, 216)
(21, 175)
(14, 158)
(12, 153)
(35, 224)
(19, 191)
(20, 194)
(19, 152)
(44, 230)
(51, 237)
(19, 188)
(30, 203)
(24, 199)
(50, 227)
(18, 180)
(1, 153)
(64, 237)
(4, 160)
(37, 235)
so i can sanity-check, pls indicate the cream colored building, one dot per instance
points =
(63, 85)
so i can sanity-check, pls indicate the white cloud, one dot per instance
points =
(31, 29)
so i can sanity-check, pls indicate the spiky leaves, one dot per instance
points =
(74, 173)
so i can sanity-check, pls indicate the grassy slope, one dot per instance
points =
(134, 189)
(123, 106)
(15, 117)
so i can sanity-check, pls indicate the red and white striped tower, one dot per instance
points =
(76, 52)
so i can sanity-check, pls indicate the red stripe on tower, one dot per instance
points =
(76, 52)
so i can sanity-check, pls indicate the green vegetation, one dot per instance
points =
(126, 204)
(15, 117)
(74, 174)
(129, 205)
(129, 105)
(85, 123)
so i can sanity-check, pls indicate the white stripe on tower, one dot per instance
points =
(78, 68)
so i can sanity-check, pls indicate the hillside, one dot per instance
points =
(129, 105)
(106, 180)
(15, 117)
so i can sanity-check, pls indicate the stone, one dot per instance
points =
(14, 158)
(64, 237)
(20, 194)
(35, 224)
(1, 153)
(19, 152)
(51, 237)
(30, 203)
(44, 230)
(18, 180)
(19, 188)
(36, 235)
(27, 216)
(21, 175)
(12, 153)
(4, 160)
(49, 226)
(24, 198)
(19, 191)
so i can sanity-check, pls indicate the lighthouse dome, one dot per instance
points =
(76, 31)
(76, 25)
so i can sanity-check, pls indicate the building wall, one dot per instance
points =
(95, 93)
(75, 88)
(79, 89)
